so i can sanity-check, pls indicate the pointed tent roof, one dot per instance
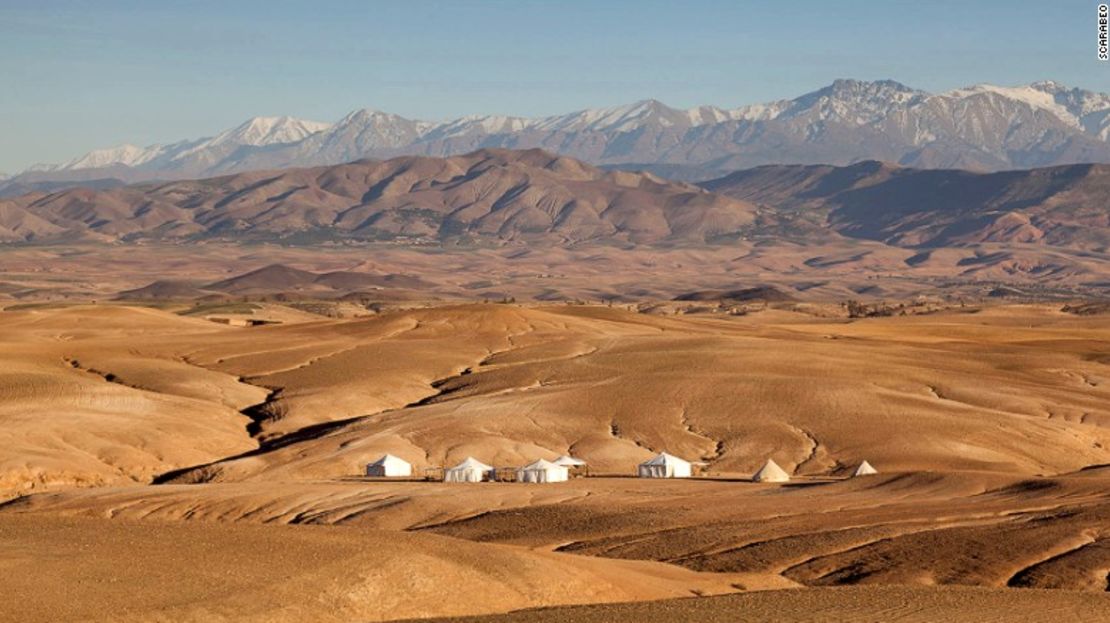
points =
(771, 472)
(541, 464)
(472, 463)
(865, 469)
(388, 458)
(663, 459)
(568, 461)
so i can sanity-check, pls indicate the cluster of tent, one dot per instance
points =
(665, 465)
(662, 465)
(473, 470)
(541, 470)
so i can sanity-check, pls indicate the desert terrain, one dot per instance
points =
(534, 226)
(437, 312)
(159, 465)
(195, 374)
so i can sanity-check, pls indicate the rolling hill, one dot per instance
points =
(1060, 206)
(488, 195)
(497, 197)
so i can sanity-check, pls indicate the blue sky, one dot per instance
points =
(80, 75)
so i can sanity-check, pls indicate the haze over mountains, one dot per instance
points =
(982, 127)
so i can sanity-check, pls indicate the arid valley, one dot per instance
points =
(138, 440)
(491, 311)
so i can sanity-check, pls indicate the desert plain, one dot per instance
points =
(156, 465)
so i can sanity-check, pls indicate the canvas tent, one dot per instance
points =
(569, 461)
(470, 470)
(771, 472)
(864, 469)
(542, 471)
(389, 466)
(665, 465)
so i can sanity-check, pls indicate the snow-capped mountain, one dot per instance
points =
(983, 127)
(1083, 110)
(845, 101)
(254, 132)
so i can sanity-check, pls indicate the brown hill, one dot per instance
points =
(769, 294)
(267, 278)
(1062, 206)
(489, 194)
(353, 281)
(276, 279)
(163, 290)
(497, 196)
(281, 278)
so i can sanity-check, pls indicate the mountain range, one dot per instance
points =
(983, 127)
(489, 196)
(1062, 206)
(494, 197)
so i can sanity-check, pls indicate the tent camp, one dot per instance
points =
(665, 465)
(771, 472)
(389, 466)
(864, 469)
(569, 461)
(470, 470)
(542, 471)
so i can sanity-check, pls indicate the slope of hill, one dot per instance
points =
(979, 127)
(491, 195)
(275, 279)
(991, 432)
(1062, 206)
(1021, 389)
(499, 196)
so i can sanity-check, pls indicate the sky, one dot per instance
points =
(75, 76)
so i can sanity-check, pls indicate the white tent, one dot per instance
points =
(569, 461)
(470, 470)
(389, 466)
(664, 465)
(864, 469)
(542, 471)
(771, 472)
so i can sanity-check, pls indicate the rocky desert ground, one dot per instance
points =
(158, 465)
(194, 375)
(436, 311)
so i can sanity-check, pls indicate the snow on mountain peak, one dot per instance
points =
(260, 131)
(363, 116)
(1036, 96)
(853, 101)
(1049, 86)
(126, 154)
(981, 116)
(477, 124)
(615, 118)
